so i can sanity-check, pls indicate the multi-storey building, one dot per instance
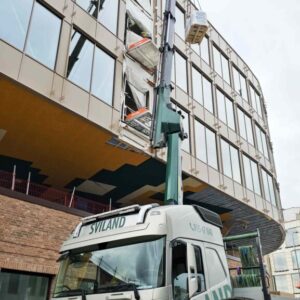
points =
(68, 84)
(285, 262)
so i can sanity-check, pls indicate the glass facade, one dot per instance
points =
(268, 187)
(221, 64)
(240, 83)
(261, 139)
(280, 262)
(19, 286)
(245, 126)
(251, 175)
(256, 102)
(180, 71)
(202, 90)
(180, 22)
(296, 259)
(282, 283)
(206, 147)
(88, 63)
(231, 161)
(292, 237)
(14, 21)
(225, 110)
(43, 36)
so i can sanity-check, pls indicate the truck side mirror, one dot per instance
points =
(192, 271)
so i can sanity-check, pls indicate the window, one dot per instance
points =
(251, 175)
(14, 20)
(296, 283)
(185, 145)
(15, 285)
(282, 283)
(296, 259)
(81, 63)
(90, 6)
(221, 64)
(206, 148)
(255, 98)
(231, 161)
(108, 15)
(245, 126)
(261, 141)
(280, 262)
(268, 187)
(43, 36)
(180, 22)
(103, 82)
(225, 110)
(217, 273)
(200, 269)
(202, 90)
(292, 237)
(180, 71)
(240, 83)
(203, 50)
(179, 272)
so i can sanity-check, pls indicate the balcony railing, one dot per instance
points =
(10, 181)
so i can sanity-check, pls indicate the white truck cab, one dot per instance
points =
(145, 252)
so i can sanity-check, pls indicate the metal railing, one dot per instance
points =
(10, 181)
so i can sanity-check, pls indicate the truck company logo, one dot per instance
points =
(105, 225)
(227, 293)
(201, 229)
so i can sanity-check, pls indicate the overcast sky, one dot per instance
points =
(266, 34)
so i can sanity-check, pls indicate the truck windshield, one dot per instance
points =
(117, 264)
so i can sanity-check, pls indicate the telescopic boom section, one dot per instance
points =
(167, 125)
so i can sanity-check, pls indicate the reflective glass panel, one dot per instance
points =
(221, 107)
(17, 286)
(280, 262)
(90, 6)
(197, 90)
(226, 158)
(42, 42)
(255, 178)
(292, 237)
(204, 50)
(200, 141)
(235, 164)
(180, 22)
(282, 283)
(230, 113)
(103, 76)
(249, 130)
(217, 61)
(296, 259)
(225, 68)
(181, 74)
(211, 149)
(296, 283)
(266, 185)
(186, 126)
(14, 20)
(80, 60)
(247, 172)
(207, 94)
(258, 139)
(244, 87)
(272, 192)
(108, 15)
(242, 125)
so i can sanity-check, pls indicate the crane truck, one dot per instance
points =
(152, 252)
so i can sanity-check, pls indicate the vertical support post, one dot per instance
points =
(173, 193)
(13, 182)
(28, 183)
(109, 204)
(72, 197)
(261, 268)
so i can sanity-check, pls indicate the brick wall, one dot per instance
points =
(31, 235)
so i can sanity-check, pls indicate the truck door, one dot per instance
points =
(188, 278)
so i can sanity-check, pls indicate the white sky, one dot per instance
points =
(266, 34)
